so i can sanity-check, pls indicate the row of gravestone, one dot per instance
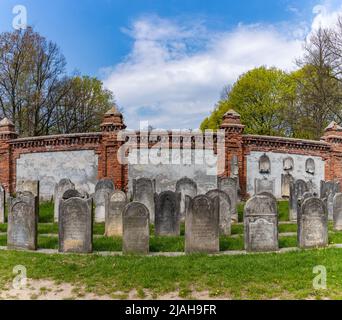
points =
(299, 190)
(202, 223)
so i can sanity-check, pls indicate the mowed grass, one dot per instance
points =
(263, 276)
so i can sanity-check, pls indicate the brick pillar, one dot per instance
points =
(333, 164)
(109, 165)
(7, 173)
(233, 128)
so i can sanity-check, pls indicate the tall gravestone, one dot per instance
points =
(337, 208)
(136, 229)
(22, 222)
(103, 190)
(60, 188)
(186, 187)
(230, 187)
(167, 217)
(328, 191)
(2, 204)
(143, 192)
(286, 180)
(202, 225)
(297, 189)
(116, 206)
(225, 211)
(313, 224)
(261, 224)
(75, 225)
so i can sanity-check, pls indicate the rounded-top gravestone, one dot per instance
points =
(186, 187)
(60, 188)
(117, 203)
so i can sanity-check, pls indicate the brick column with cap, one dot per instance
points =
(7, 133)
(234, 129)
(109, 165)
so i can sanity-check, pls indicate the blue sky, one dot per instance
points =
(167, 61)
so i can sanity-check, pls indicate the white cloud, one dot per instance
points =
(176, 70)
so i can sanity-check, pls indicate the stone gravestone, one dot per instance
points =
(202, 225)
(337, 208)
(186, 187)
(264, 185)
(167, 218)
(103, 190)
(143, 192)
(261, 224)
(328, 191)
(71, 193)
(286, 180)
(297, 189)
(116, 206)
(136, 229)
(75, 225)
(2, 204)
(22, 222)
(60, 188)
(313, 224)
(225, 211)
(30, 186)
(230, 187)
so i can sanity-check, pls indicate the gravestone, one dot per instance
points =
(103, 191)
(313, 224)
(328, 191)
(286, 180)
(75, 225)
(264, 185)
(30, 186)
(230, 187)
(136, 229)
(71, 193)
(143, 192)
(186, 187)
(310, 166)
(261, 224)
(337, 208)
(60, 188)
(202, 225)
(288, 164)
(2, 204)
(22, 222)
(297, 189)
(264, 164)
(234, 173)
(167, 218)
(116, 206)
(225, 210)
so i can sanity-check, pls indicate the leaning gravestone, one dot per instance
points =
(297, 189)
(2, 204)
(337, 208)
(186, 187)
(75, 225)
(136, 229)
(230, 187)
(225, 211)
(103, 190)
(22, 222)
(202, 225)
(313, 224)
(143, 192)
(116, 206)
(167, 217)
(60, 188)
(261, 224)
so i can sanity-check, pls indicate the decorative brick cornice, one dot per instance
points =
(57, 140)
(290, 143)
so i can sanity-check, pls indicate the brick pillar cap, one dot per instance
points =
(113, 120)
(232, 119)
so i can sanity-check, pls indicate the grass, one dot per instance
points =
(264, 276)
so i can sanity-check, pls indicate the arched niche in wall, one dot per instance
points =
(288, 164)
(264, 164)
(310, 166)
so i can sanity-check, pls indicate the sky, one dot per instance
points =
(166, 61)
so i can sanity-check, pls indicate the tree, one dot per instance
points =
(259, 96)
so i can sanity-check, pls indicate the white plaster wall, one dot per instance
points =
(277, 170)
(195, 164)
(81, 167)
